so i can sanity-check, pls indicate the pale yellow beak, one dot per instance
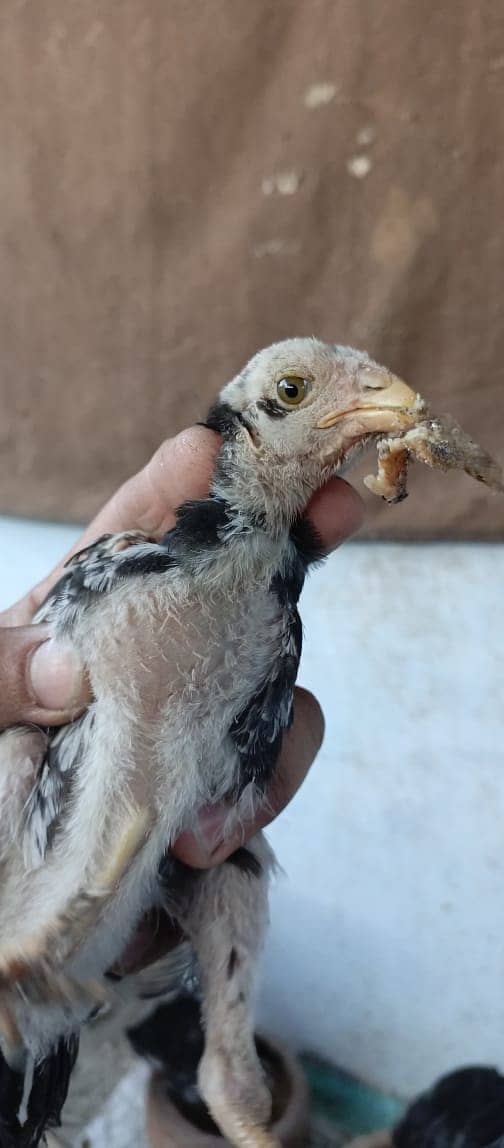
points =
(396, 396)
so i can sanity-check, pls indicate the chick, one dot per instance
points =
(462, 1110)
(465, 1109)
(192, 647)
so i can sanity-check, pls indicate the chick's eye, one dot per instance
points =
(292, 390)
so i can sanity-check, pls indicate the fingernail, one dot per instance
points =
(56, 677)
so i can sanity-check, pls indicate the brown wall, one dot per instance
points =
(171, 199)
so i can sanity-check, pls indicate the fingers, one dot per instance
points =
(157, 933)
(180, 469)
(21, 614)
(300, 747)
(42, 681)
(336, 511)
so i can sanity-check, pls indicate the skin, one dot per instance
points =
(43, 683)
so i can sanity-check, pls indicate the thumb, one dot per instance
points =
(41, 680)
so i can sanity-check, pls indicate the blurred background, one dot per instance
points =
(181, 184)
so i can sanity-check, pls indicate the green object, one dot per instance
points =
(350, 1105)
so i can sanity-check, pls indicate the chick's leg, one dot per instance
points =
(226, 925)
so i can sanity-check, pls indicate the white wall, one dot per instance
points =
(390, 923)
(387, 948)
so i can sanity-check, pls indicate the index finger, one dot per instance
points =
(182, 469)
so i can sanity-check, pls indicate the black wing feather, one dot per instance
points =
(99, 568)
(257, 731)
(48, 1093)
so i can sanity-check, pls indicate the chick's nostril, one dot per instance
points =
(373, 379)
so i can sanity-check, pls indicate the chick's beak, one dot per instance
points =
(387, 404)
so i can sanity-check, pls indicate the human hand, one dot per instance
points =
(42, 681)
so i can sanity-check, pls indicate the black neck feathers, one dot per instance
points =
(307, 541)
(201, 524)
(223, 419)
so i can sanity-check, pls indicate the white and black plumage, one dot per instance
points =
(464, 1109)
(192, 646)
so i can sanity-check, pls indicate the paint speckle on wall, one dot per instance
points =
(276, 246)
(318, 95)
(359, 166)
(282, 183)
(366, 136)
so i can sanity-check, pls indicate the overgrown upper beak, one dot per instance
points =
(387, 405)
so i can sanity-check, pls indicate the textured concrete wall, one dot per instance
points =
(386, 948)
(389, 922)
